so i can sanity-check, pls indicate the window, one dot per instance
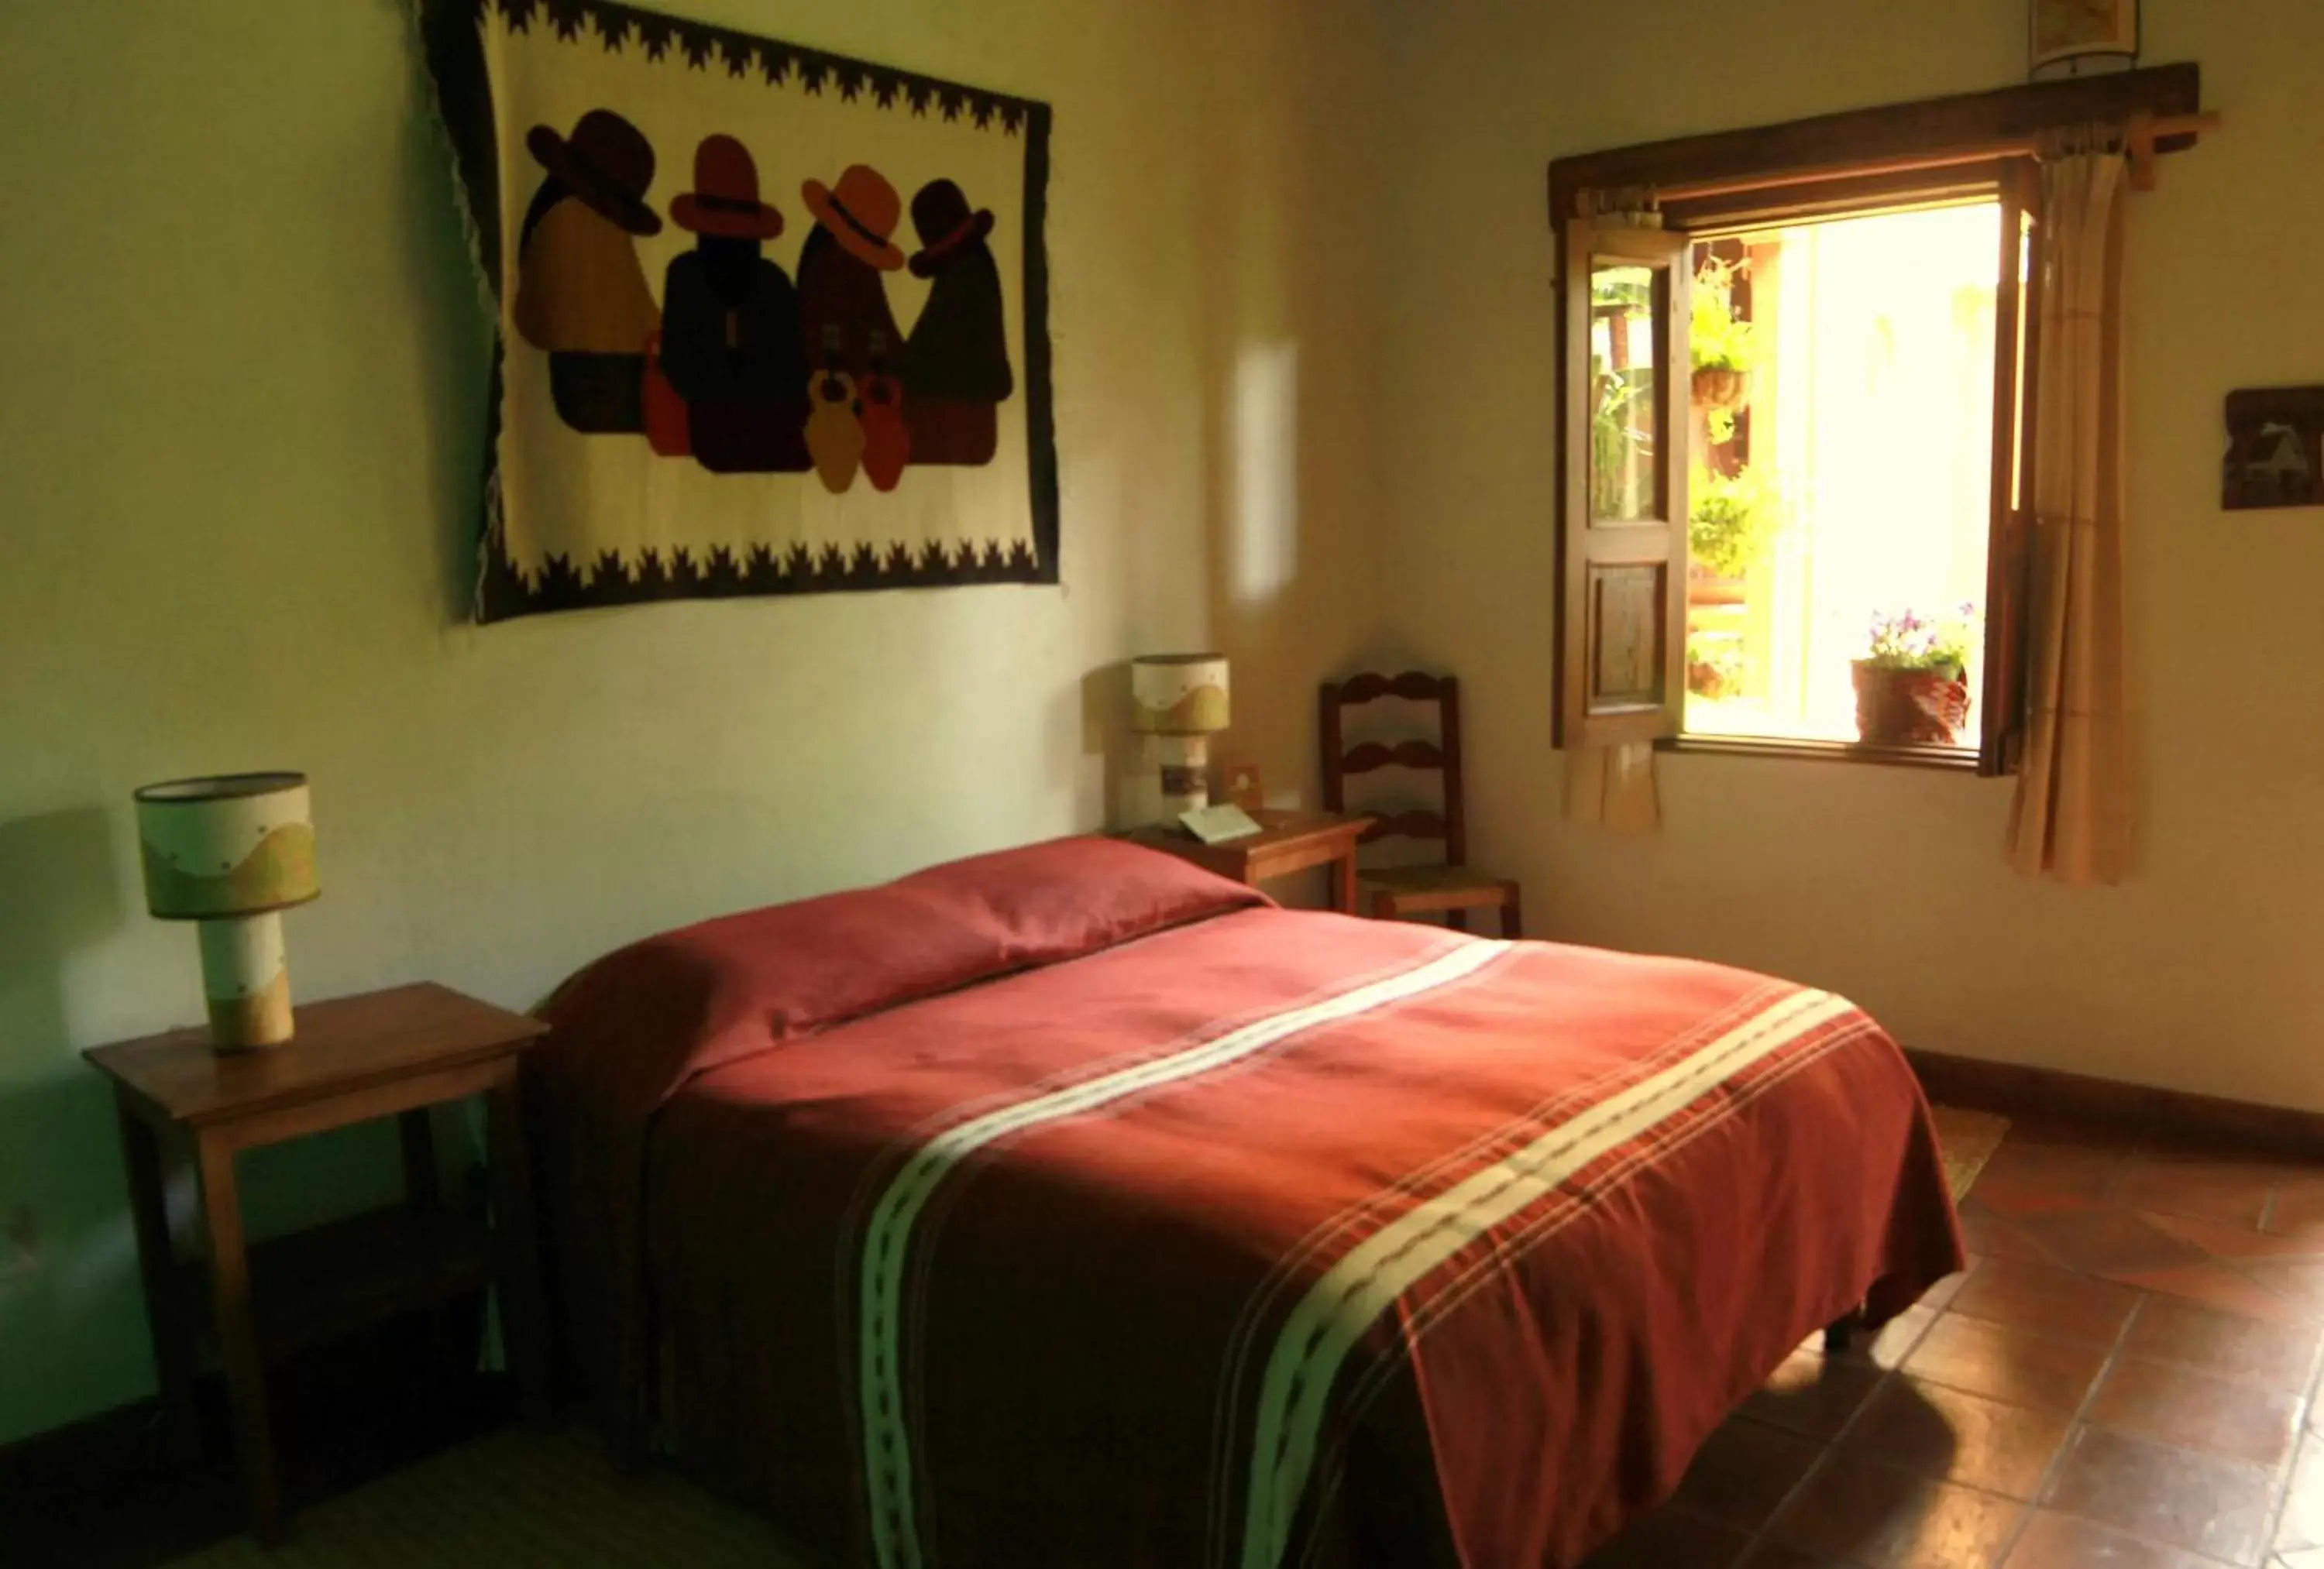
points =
(1842, 395)
(1793, 420)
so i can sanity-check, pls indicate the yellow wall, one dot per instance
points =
(239, 423)
(2204, 972)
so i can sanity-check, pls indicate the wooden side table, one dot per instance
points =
(1287, 842)
(391, 1053)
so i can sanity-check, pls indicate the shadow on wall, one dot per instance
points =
(64, 894)
(457, 325)
(74, 1298)
(67, 1290)
(1292, 481)
(1106, 735)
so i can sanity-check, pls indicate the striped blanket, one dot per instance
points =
(1179, 1230)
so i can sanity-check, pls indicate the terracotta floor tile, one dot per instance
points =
(2168, 1495)
(2006, 1364)
(2232, 1192)
(2216, 1286)
(2196, 1411)
(2301, 1285)
(1669, 1536)
(2080, 1170)
(1946, 1435)
(2019, 1201)
(1812, 1396)
(2061, 1542)
(1889, 1348)
(2302, 1525)
(2108, 1242)
(1991, 1235)
(2298, 1210)
(2047, 1300)
(1939, 1296)
(2276, 1356)
(1880, 1518)
(2234, 1241)
(1744, 1472)
(2036, 1193)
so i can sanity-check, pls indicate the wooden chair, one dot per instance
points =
(1451, 887)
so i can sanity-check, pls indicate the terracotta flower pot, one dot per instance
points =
(1706, 587)
(1909, 707)
(1720, 387)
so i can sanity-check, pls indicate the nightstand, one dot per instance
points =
(390, 1053)
(1287, 842)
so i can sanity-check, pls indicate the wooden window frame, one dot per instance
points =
(1975, 146)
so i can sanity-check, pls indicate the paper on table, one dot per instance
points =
(1216, 824)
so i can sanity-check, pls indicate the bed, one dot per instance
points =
(1072, 1206)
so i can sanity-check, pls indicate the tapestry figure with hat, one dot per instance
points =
(581, 295)
(763, 376)
(959, 347)
(730, 340)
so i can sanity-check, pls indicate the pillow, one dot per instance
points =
(1044, 903)
(666, 1009)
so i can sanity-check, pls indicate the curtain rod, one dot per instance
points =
(2141, 132)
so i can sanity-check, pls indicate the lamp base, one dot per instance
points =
(1185, 774)
(244, 982)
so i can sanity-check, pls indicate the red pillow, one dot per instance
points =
(641, 1020)
(1044, 903)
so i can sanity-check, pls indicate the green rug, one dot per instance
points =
(522, 1498)
(518, 1499)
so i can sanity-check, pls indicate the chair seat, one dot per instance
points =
(1423, 888)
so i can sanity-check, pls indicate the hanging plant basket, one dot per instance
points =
(1909, 707)
(1722, 386)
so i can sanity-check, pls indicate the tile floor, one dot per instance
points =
(2125, 1379)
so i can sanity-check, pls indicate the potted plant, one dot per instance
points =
(1619, 397)
(1724, 348)
(1729, 518)
(1714, 668)
(1911, 685)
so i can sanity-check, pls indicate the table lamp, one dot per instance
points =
(233, 852)
(1181, 700)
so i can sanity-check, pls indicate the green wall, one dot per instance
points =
(239, 426)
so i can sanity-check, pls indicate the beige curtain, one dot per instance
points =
(2071, 816)
(1613, 785)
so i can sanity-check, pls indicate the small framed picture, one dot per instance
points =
(2070, 35)
(1244, 786)
(2275, 449)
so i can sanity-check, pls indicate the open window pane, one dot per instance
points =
(1626, 393)
(1843, 401)
(1621, 578)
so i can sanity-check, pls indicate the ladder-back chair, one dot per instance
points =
(1450, 887)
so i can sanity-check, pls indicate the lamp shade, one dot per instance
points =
(1178, 694)
(235, 844)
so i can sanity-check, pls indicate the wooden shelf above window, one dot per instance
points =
(1967, 128)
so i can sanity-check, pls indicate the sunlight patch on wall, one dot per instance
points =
(1264, 549)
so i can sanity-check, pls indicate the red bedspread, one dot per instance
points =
(1072, 1207)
